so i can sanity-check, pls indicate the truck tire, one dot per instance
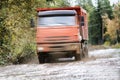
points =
(40, 58)
(43, 58)
(77, 57)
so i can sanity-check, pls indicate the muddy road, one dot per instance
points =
(101, 65)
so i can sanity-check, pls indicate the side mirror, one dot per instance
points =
(82, 23)
(32, 23)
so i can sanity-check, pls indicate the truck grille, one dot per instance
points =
(56, 38)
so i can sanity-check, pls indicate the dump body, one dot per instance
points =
(60, 30)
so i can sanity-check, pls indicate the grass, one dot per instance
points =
(116, 46)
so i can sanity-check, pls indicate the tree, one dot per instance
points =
(15, 33)
(96, 21)
(113, 26)
(103, 8)
(61, 3)
(86, 4)
(94, 27)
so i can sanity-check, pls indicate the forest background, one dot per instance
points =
(17, 38)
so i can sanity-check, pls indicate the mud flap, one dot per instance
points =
(85, 49)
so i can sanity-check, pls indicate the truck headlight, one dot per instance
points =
(40, 48)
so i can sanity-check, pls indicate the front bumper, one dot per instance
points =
(58, 47)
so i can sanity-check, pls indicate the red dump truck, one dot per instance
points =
(61, 32)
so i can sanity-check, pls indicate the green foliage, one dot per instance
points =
(113, 26)
(116, 46)
(94, 27)
(105, 8)
(58, 3)
(62, 3)
(15, 33)
(107, 43)
(86, 4)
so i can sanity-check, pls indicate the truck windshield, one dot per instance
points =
(56, 21)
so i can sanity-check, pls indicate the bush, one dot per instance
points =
(116, 46)
(16, 37)
(107, 43)
(16, 56)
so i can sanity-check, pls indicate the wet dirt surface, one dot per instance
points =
(102, 65)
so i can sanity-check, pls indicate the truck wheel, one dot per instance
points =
(43, 58)
(77, 57)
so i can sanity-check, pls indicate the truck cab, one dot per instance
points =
(61, 30)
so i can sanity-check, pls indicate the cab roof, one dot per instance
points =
(78, 9)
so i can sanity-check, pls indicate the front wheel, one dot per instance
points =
(43, 58)
(77, 57)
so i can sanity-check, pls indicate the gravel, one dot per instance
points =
(106, 66)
